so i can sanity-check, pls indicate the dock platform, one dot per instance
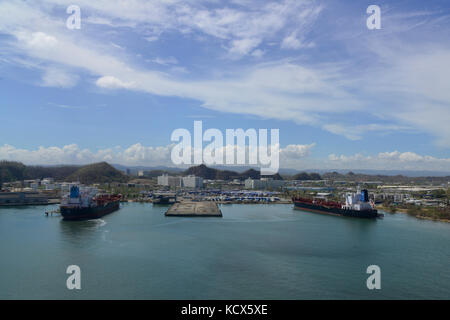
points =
(194, 209)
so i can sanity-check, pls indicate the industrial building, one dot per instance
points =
(192, 182)
(169, 181)
(22, 198)
(187, 182)
(263, 183)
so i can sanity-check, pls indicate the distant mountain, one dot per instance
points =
(203, 171)
(135, 169)
(289, 171)
(361, 177)
(307, 176)
(215, 174)
(14, 171)
(58, 173)
(373, 172)
(11, 171)
(104, 172)
(98, 173)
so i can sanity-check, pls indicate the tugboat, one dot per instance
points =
(87, 205)
(164, 198)
(356, 205)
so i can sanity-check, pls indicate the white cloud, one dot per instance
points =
(59, 78)
(136, 154)
(165, 61)
(38, 39)
(404, 85)
(295, 156)
(258, 53)
(294, 151)
(292, 156)
(357, 131)
(113, 83)
(151, 38)
(293, 42)
(69, 154)
(97, 20)
(238, 27)
(243, 46)
(389, 161)
(344, 130)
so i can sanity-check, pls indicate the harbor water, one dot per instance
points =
(252, 252)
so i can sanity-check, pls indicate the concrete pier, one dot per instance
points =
(194, 209)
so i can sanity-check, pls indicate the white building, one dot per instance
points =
(193, 182)
(168, 181)
(264, 183)
(47, 181)
(34, 185)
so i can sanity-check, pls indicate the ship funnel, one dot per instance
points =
(74, 192)
(364, 196)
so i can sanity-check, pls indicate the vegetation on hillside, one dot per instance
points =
(11, 171)
(433, 213)
(16, 171)
(98, 173)
(215, 174)
(307, 176)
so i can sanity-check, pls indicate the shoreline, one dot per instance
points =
(432, 219)
(404, 211)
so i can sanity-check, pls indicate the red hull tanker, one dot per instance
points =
(357, 205)
(86, 206)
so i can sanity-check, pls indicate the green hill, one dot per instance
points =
(17, 171)
(98, 173)
(11, 171)
(59, 173)
(215, 174)
(307, 176)
(202, 171)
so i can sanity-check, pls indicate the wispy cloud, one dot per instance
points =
(395, 84)
(394, 160)
(165, 60)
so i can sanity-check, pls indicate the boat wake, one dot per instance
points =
(99, 222)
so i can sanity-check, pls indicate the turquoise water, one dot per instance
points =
(253, 252)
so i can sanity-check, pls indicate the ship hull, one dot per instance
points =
(88, 213)
(366, 214)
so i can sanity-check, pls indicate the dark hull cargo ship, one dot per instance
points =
(356, 205)
(87, 205)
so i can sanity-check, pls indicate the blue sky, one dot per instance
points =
(343, 96)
